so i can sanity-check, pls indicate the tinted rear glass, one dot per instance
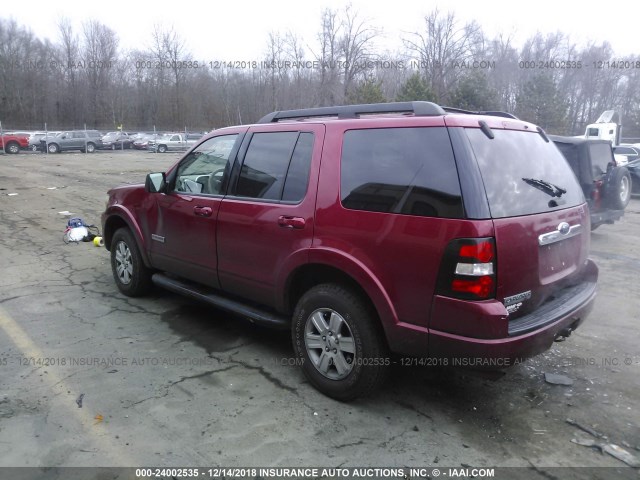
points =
(601, 158)
(513, 156)
(579, 161)
(298, 174)
(408, 171)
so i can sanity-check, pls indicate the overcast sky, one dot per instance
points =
(237, 30)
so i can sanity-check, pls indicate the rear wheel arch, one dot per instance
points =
(311, 275)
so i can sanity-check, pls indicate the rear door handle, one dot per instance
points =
(291, 222)
(202, 211)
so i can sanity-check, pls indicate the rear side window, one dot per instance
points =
(521, 173)
(276, 166)
(408, 171)
(297, 178)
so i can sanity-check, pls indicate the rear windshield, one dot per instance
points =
(523, 174)
(601, 158)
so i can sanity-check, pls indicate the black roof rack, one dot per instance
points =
(490, 113)
(419, 109)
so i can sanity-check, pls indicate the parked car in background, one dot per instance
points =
(626, 153)
(45, 139)
(12, 143)
(606, 186)
(116, 141)
(142, 142)
(36, 137)
(136, 136)
(461, 238)
(634, 171)
(84, 140)
(174, 142)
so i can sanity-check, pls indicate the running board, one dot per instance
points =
(254, 314)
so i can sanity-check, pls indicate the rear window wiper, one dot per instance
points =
(546, 187)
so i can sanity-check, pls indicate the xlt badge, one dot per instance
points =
(514, 302)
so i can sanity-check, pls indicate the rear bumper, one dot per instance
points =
(527, 336)
(504, 352)
(605, 216)
(505, 343)
(565, 303)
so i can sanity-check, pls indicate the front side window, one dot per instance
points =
(408, 171)
(204, 169)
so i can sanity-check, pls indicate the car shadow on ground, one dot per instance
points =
(221, 333)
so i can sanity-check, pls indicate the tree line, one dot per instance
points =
(86, 78)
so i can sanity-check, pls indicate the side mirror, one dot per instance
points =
(155, 183)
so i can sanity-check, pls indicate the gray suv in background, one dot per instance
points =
(83, 140)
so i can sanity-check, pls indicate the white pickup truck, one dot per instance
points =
(174, 142)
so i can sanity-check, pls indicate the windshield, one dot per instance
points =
(523, 174)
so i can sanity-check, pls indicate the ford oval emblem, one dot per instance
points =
(564, 228)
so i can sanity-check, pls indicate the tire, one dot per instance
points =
(162, 148)
(12, 148)
(53, 148)
(91, 147)
(619, 189)
(130, 273)
(324, 318)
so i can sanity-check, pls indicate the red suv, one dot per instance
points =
(367, 230)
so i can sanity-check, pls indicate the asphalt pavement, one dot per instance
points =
(89, 377)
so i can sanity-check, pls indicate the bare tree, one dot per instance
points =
(98, 84)
(504, 76)
(296, 54)
(276, 69)
(99, 57)
(69, 57)
(170, 51)
(441, 48)
(329, 57)
(356, 47)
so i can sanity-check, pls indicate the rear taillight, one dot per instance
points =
(468, 269)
